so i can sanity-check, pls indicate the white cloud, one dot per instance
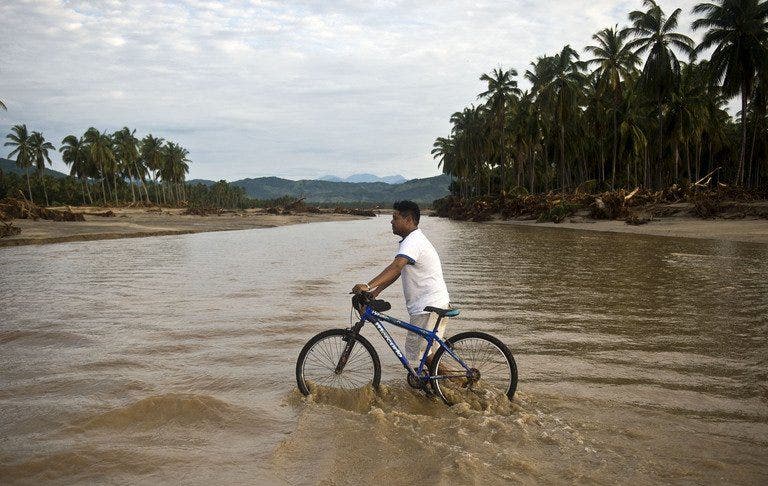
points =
(297, 89)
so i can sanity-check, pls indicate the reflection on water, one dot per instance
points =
(171, 359)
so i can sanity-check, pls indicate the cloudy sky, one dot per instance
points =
(292, 89)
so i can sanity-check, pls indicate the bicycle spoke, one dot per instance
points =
(320, 364)
(485, 357)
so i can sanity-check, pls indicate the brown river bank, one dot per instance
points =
(141, 222)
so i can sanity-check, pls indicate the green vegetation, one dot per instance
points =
(631, 114)
(114, 166)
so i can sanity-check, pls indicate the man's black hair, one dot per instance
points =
(408, 208)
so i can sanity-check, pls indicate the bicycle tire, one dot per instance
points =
(328, 346)
(475, 349)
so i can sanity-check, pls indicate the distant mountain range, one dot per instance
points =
(9, 166)
(393, 179)
(419, 190)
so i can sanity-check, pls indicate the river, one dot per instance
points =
(642, 360)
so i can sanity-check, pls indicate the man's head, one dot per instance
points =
(405, 218)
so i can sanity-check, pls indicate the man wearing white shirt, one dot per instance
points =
(419, 265)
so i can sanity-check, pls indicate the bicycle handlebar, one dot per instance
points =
(362, 299)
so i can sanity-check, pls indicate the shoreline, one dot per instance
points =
(737, 230)
(146, 222)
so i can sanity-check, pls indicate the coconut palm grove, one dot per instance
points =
(642, 106)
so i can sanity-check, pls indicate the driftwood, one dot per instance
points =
(297, 205)
(632, 194)
(8, 229)
(105, 214)
(707, 177)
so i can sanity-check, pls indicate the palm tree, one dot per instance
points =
(687, 113)
(444, 150)
(100, 148)
(557, 81)
(40, 148)
(127, 153)
(738, 32)
(174, 169)
(152, 156)
(23, 151)
(2, 106)
(74, 153)
(615, 62)
(654, 33)
(501, 90)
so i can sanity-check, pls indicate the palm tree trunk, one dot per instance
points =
(29, 187)
(752, 154)
(532, 168)
(646, 174)
(562, 156)
(740, 172)
(677, 160)
(45, 192)
(157, 190)
(83, 183)
(130, 179)
(661, 138)
(698, 159)
(88, 188)
(140, 176)
(114, 185)
(615, 149)
(103, 189)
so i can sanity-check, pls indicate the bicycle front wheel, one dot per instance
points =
(318, 363)
(493, 371)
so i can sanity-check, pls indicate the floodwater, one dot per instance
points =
(642, 360)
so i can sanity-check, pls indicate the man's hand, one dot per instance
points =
(360, 288)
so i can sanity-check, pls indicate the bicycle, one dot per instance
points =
(466, 366)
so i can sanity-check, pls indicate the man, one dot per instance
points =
(423, 284)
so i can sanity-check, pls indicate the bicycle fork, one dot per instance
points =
(350, 339)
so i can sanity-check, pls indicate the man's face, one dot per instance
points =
(400, 224)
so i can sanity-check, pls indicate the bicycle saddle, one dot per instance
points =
(442, 312)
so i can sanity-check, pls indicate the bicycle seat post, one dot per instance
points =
(437, 324)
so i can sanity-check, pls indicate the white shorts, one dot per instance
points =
(415, 344)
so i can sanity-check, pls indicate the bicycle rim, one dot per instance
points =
(318, 368)
(498, 374)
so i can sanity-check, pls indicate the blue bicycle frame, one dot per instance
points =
(431, 337)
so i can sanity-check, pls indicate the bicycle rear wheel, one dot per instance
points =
(494, 374)
(318, 363)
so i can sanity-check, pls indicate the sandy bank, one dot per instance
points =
(744, 230)
(140, 222)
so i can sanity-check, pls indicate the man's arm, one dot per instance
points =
(385, 278)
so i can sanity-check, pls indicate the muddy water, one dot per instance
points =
(171, 360)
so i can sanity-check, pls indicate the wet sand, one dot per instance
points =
(743, 230)
(140, 222)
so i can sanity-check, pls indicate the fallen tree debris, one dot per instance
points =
(12, 208)
(638, 206)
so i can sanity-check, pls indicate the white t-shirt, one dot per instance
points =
(423, 282)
